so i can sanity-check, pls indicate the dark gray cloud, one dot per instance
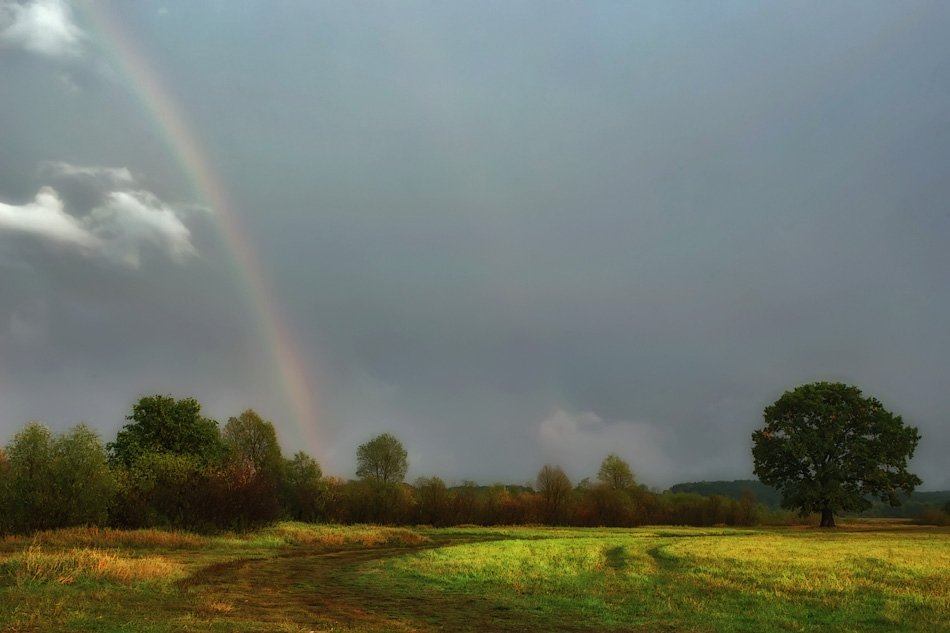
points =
(505, 233)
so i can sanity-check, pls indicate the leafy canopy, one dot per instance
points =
(555, 489)
(382, 459)
(615, 473)
(162, 424)
(51, 481)
(252, 444)
(827, 449)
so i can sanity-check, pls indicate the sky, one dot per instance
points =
(508, 233)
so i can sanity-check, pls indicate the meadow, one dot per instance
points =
(298, 578)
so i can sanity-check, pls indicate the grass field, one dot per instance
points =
(294, 577)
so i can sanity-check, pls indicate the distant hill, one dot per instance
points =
(771, 497)
(732, 489)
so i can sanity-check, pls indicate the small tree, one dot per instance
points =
(382, 459)
(615, 473)
(31, 488)
(303, 492)
(555, 490)
(827, 449)
(432, 501)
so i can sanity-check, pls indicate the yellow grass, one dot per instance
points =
(290, 533)
(66, 567)
(108, 537)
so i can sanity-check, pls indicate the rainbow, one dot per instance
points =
(292, 371)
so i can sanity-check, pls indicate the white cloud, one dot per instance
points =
(132, 218)
(127, 221)
(45, 217)
(113, 175)
(579, 442)
(44, 27)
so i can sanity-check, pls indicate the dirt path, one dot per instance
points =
(310, 590)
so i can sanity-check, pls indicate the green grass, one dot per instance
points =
(295, 577)
(699, 580)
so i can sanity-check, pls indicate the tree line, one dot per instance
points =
(170, 466)
(825, 448)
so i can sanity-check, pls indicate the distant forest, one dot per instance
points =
(913, 506)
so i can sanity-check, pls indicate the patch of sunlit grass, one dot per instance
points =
(293, 533)
(66, 567)
(721, 579)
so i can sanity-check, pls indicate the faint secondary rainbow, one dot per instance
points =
(292, 370)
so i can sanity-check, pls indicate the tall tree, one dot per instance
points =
(252, 444)
(615, 473)
(827, 449)
(382, 459)
(253, 471)
(162, 424)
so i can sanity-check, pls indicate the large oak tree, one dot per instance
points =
(828, 449)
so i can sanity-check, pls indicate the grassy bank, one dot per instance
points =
(296, 577)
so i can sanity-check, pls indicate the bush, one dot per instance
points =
(933, 516)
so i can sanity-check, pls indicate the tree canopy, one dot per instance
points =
(164, 425)
(54, 481)
(827, 449)
(302, 489)
(615, 473)
(382, 459)
(555, 490)
(252, 445)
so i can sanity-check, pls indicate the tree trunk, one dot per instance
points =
(827, 518)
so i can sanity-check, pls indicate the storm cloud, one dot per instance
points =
(508, 234)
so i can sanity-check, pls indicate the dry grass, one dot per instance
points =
(289, 533)
(84, 564)
(108, 538)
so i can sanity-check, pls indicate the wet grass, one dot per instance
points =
(296, 577)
